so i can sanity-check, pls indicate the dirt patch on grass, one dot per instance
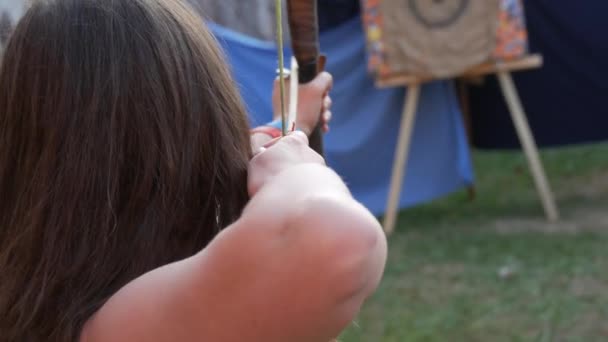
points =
(583, 205)
(587, 287)
(591, 326)
(593, 187)
(578, 221)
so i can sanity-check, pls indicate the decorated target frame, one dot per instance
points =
(410, 42)
(432, 39)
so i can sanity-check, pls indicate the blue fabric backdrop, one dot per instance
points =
(566, 99)
(332, 13)
(366, 120)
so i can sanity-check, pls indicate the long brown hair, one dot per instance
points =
(123, 147)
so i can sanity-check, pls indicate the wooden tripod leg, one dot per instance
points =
(401, 155)
(529, 145)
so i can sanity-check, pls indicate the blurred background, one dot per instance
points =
(473, 256)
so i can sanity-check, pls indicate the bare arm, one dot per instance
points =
(297, 266)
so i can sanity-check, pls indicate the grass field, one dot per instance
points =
(492, 269)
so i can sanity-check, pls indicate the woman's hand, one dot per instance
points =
(277, 156)
(314, 102)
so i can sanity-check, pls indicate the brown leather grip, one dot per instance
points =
(304, 28)
(303, 24)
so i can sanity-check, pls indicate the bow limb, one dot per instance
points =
(304, 27)
(293, 94)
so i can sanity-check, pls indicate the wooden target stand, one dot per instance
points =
(503, 72)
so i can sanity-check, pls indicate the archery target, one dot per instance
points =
(437, 13)
(438, 38)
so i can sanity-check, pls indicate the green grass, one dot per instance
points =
(442, 280)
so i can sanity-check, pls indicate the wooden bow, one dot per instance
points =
(304, 29)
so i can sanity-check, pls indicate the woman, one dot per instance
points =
(131, 208)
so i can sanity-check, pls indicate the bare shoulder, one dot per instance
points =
(302, 277)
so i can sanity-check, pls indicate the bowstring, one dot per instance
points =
(279, 16)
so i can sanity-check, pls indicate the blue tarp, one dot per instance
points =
(565, 100)
(333, 13)
(361, 144)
